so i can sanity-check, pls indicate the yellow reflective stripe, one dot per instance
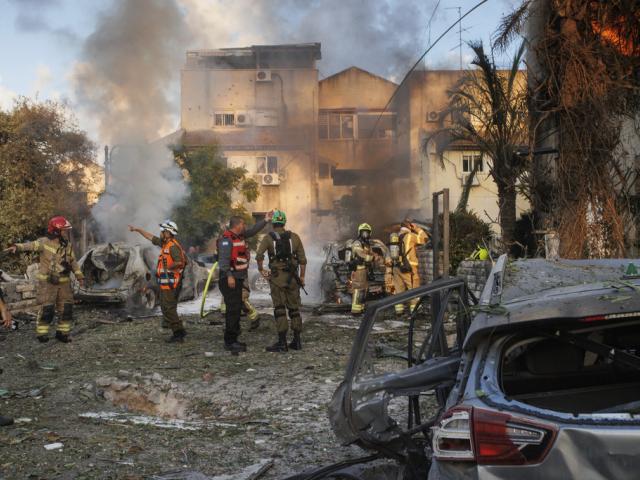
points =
(64, 327)
(51, 249)
(42, 329)
(42, 276)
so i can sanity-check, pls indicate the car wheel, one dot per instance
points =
(149, 299)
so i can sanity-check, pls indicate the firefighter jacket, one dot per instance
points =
(410, 241)
(171, 263)
(57, 261)
(361, 253)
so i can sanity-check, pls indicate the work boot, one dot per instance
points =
(43, 338)
(235, 347)
(5, 421)
(296, 343)
(177, 337)
(254, 325)
(62, 337)
(280, 345)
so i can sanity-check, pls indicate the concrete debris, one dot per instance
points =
(147, 420)
(252, 472)
(53, 446)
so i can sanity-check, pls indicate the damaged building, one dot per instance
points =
(311, 143)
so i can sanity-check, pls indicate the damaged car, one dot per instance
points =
(538, 379)
(335, 276)
(121, 273)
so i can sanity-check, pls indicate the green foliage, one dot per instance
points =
(215, 193)
(467, 232)
(43, 160)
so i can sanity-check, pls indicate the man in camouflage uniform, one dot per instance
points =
(286, 257)
(57, 262)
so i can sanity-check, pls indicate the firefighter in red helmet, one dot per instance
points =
(57, 263)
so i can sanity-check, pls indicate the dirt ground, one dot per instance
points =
(103, 395)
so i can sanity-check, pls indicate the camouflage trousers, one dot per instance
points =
(54, 299)
(169, 307)
(285, 295)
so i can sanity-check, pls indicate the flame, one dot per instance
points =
(615, 35)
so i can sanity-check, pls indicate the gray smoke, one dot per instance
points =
(125, 81)
(382, 36)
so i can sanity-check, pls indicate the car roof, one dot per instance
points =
(533, 291)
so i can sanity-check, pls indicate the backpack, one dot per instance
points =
(282, 247)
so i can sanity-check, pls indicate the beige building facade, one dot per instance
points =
(312, 143)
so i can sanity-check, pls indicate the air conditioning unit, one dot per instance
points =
(263, 76)
(243, 118)
(433, 116)
(269, 179)
(465, 177)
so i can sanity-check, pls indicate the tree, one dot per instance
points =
(44, 158)
(488, 108)
(213, 189)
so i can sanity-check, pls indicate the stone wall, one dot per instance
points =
(475, 272)
(20, 295)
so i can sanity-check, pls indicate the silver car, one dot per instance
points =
(538, 380)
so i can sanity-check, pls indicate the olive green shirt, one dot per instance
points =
(267, 246)
(175, 252)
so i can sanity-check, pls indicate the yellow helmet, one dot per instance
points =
(364, 226)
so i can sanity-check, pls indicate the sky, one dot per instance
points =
(44, 41)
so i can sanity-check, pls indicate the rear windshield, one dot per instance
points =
(589, 369)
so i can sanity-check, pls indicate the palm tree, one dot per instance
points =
(488, 107)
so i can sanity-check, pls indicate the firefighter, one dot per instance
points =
(363, 259)
(169, 271)
(247, 307)
(405, 269)
(287, 267)
(233, 264)
(57, 262)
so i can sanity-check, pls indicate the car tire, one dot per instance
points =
(257, 283)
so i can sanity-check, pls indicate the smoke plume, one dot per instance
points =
(126, 80)
(382, 36)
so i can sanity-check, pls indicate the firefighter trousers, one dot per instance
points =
(54, 299)
(403, 281)
(359, 286)
(169, 307)
(285, 295)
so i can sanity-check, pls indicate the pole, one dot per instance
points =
(435, 237)
(445, 233)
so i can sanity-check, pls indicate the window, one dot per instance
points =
(323, 170)
(267, 165)
(470, 161)
(335, 125)
(224, 119)
(384, 125)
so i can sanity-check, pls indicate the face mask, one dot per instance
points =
(364, 234)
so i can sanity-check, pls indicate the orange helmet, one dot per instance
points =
(57, 224)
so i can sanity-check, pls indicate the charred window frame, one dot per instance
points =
(470, 161)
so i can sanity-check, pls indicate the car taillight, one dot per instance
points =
(490, 438)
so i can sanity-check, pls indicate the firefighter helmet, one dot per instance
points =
(279, 218)
(169, 226)
(57, 225)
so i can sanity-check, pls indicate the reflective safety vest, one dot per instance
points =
(169, 279)
(240, 254)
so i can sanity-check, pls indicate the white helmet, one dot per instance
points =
(170, 226)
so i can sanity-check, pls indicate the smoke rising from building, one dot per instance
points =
(126, 81)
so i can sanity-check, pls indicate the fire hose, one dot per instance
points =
(206, 291)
